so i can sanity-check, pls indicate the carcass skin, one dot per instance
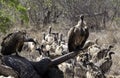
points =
(23, 67)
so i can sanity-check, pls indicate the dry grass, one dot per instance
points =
(109, 36)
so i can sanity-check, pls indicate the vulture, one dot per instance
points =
(102, 53)
(90, 43)
(29, 46)
(105, 66)
(44, 42)
(55, 37)
(49, 37)
(94, 71)
(77, 35)
(14, 42)
(60, 36)
(59, 49)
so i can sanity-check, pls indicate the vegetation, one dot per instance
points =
(43, 12)
(11, 11)
(102, 17)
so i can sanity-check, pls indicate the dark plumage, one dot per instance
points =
(77, 36)
(102, 53)
(106, 65)
(94, 71)
(13, 42)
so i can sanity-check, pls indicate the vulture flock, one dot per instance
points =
(78, 55)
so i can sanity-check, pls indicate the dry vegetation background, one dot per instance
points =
(103, 21)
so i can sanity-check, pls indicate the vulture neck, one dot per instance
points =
(109, 48)
(59, 43)
(80, 24)
(110, 56)
(57, 36)
(60, 37)
(44, 36)
(50, 30)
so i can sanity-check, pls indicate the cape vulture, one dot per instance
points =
(14, 42)
(105, 67)
(78, 35)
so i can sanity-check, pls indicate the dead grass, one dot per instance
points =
(109, 36)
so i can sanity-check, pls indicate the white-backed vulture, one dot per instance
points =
(101, 54)
(60, 39)
(94, 71)
(55, 42)
(49, 37)
(44, 42)
(80, 72)
(89, 43)
(65, 47)
(53, 46)
(83, 59)
(55, 37)
(13, 42)
(93, 50)
(63, 44)
(106, 65)
(45, 50)
(60, 36)
(67, 68)
(77, 35)
(59, 49)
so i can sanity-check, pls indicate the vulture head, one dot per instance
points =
(111, 46)
(82, 17)
(109, 56)
(111, 53)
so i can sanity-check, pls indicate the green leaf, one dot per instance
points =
(10, 12)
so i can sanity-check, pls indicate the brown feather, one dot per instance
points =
(77, 36)
(71, 39)
(12, 43)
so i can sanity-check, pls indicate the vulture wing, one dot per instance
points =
(71, 35)
(77, 38)
(85, 36)
(105, 67)
(81, 37)
(8, 44)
